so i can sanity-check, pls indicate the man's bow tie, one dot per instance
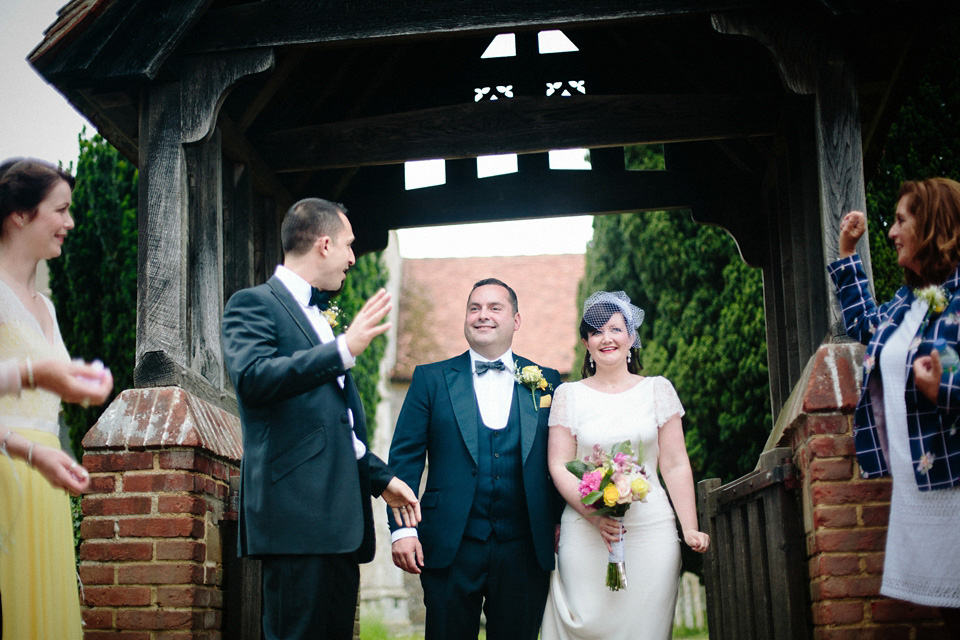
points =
(319, 298)
(482, 366)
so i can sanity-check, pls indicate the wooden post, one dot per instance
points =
(177, 332)
(810, 65)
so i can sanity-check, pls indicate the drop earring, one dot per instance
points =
(591, 360)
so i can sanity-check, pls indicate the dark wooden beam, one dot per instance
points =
(377, 201)
(270, 88)
(520, 125)
(238, 148)
(289, 22)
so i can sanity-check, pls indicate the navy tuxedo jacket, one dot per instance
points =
(440, 421)
(302, 490)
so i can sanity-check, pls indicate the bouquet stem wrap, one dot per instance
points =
(616, 571)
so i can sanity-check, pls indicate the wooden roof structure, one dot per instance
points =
(232, 110)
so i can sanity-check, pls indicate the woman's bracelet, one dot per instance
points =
(3, 445)
(30, 454)
(30, 381)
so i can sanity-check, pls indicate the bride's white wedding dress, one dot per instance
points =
(580, 605)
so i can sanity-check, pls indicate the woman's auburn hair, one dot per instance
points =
(935, 204)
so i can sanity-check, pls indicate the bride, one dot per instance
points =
(612, 404)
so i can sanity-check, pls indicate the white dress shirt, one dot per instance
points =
(301, 290)
(494, 391)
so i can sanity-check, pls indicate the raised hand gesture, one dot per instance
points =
(366, 324)
(852, 227)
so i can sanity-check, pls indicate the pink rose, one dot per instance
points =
(590, 482)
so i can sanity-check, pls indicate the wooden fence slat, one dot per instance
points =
(756, 525)
(706, 510)
(755, 571)
(743, 566)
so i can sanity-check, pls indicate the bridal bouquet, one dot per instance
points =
(609, 483)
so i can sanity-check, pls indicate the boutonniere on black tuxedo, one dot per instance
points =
(332, 314)
(532, 377)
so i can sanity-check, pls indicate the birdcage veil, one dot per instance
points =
(598, 308)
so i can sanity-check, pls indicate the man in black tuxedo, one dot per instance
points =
(306, 471)
(489, 508)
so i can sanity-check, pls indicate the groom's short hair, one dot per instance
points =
(500, 283)
(308, 220)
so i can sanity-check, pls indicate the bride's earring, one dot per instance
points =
(629, 355)
(591, 360)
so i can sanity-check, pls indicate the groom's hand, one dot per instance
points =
(408, 554)
(403, 501)
(366, 324)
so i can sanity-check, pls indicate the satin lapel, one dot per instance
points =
(464, 399)
(293, 308)
(529, 416)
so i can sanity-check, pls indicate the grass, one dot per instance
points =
(373, 629)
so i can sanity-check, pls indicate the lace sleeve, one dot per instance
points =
(666, 402)
(562, 408)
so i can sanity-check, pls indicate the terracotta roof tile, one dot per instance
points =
(434, 296)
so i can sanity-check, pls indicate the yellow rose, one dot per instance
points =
(543, 384)
(331, 316)
(640, 488)
(610, 495)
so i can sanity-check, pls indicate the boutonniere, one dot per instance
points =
(934, 296)
(332, 315)
(532, 377)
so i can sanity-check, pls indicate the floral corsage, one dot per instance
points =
(332, 315)
(531, 377)
(935, 297)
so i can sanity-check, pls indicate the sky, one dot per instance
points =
(39, 122)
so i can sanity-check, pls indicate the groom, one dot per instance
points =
(306, 474)
(489, 509)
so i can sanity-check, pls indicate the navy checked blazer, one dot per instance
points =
(932, 429)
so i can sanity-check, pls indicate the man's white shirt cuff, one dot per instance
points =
(403, 532)
(348, 360)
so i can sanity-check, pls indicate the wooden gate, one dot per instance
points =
(756, 572)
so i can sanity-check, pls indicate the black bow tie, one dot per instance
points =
(319, 298)
(482, 367)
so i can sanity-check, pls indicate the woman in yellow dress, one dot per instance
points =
(38, 586)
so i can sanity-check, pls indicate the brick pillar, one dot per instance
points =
(845, 516)
(151, 559)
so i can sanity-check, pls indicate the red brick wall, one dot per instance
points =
(151, 559)
(845, 516)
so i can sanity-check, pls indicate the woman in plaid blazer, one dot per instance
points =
(906, 423)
